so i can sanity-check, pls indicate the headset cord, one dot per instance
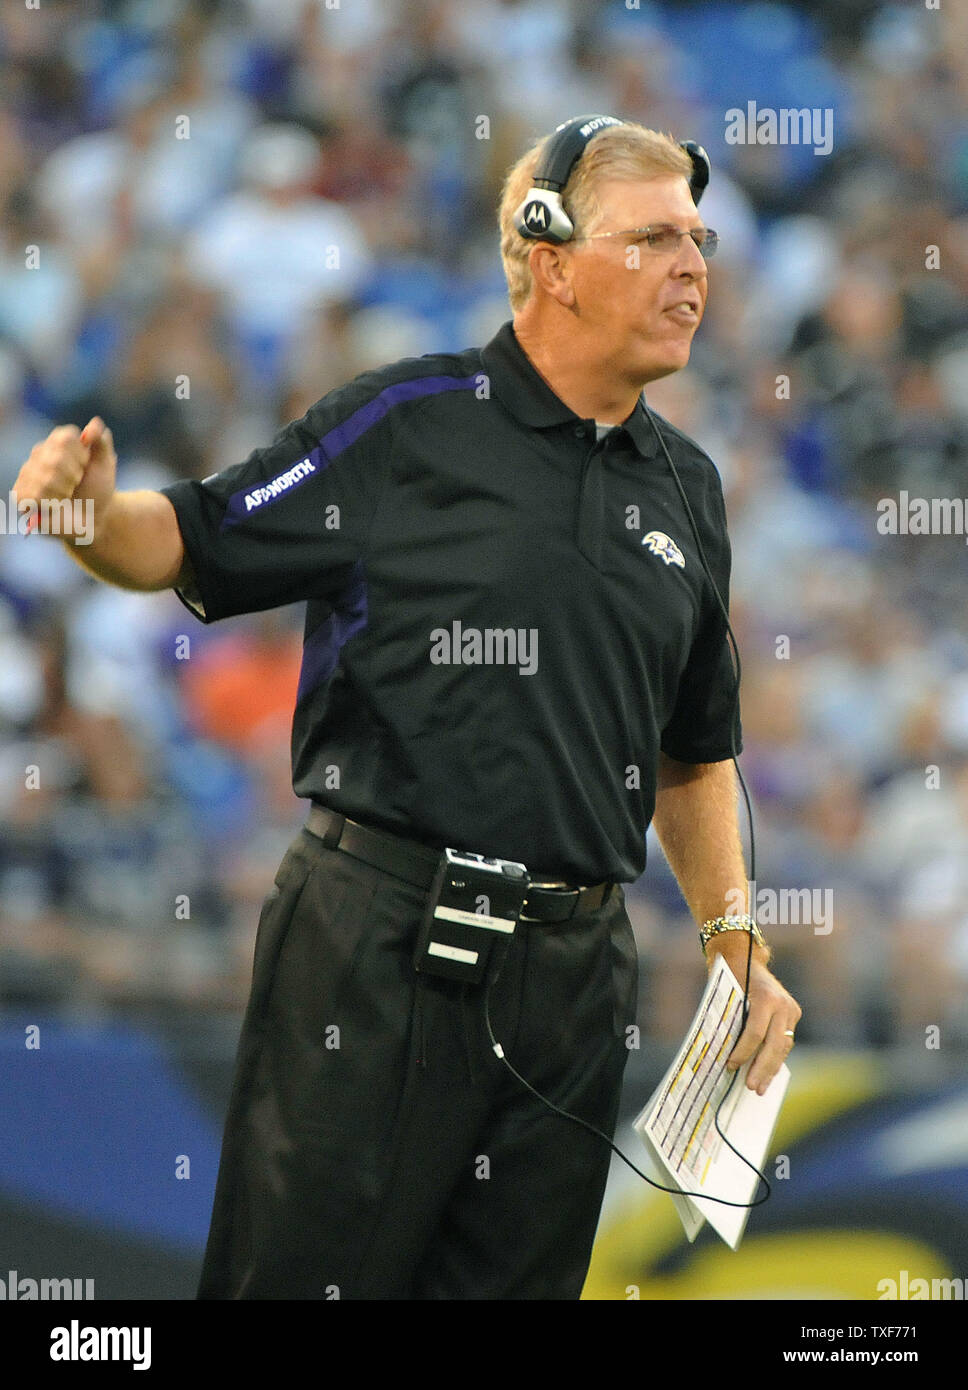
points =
(734, 722)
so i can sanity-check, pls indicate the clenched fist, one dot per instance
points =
(71, 465)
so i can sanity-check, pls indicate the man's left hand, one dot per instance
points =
(773, 1016)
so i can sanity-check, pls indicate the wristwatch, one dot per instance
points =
(743, 923)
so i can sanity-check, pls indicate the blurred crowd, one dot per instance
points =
(213, 212)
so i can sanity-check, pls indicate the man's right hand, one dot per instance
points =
(71, 463)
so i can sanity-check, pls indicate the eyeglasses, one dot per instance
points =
(663, 237)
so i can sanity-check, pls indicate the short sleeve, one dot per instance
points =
(292, 521)
(699, 728)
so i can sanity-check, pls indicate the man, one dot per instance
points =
(496, 662)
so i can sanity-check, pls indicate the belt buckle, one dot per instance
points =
(557, 889)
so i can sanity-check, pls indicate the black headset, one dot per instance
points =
(541, 216)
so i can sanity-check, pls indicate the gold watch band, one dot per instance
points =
(737, 922)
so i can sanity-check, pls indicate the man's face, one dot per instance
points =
(630, 296)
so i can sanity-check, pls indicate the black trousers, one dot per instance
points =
(375, 1146)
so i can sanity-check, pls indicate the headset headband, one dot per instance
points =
(566, 147)
(541, 216)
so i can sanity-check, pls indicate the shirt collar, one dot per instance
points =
(643, 435)
(519, 387)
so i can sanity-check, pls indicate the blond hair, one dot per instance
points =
(627, 151)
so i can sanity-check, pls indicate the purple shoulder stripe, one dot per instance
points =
(241, 504)
(361, 420)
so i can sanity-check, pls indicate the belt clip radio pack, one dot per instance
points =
(473, 903)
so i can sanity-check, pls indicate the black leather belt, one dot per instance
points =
(416, 863)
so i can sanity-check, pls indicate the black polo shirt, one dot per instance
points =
(506, 618)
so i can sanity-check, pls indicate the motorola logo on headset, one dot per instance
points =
(536, 217)
(592, 124)
(541, 216)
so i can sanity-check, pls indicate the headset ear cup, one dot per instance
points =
(541, 217)
(700, 169)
